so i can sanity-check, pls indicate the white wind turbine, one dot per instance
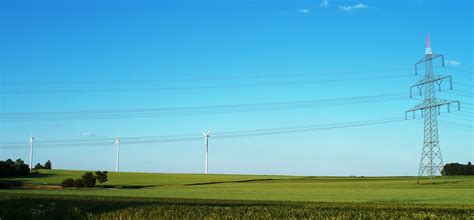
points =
(206, 145)
(30, 141)
(117, 149)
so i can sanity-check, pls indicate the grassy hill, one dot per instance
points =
(451, 190)
(191, 196)
(142, 179)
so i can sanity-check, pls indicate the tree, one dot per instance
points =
(21, 168)
(9, 168)
(6, 168)
(38, 166)
(101, 176)
(456, 169)
(88, 179)
(67, 183)
(48, 165)
(78, 183)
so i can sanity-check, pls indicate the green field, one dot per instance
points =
(163, 193)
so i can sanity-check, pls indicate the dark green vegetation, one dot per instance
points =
(21, 206)
(145, 195)
(67, 183)
(456, 169)
(101, 176)
(47, 166)
(88, 180)
(8, 168)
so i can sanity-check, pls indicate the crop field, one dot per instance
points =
(144, 195)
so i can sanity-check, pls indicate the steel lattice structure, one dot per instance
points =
(431, 161)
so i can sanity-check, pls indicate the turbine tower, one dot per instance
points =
(431, 161)
(30, 141)
(206, 147)
(117, 149)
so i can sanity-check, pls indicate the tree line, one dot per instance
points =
(10, 168)
(87, 180)
(457, 169)
(47, 166)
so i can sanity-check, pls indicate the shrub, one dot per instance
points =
(38, 166)
(67, 183)
(48, 165)
(88, 179)
(101, 176)
(78, 183)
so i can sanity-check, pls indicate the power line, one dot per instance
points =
(460, 94)
(62, 91)
(460, 125)
(460, 70)
(196, 110)
(201, 78)
(92, 140)
(326, 127)
(463, 84)
(458, 119)
(444, 124)
(222, 135)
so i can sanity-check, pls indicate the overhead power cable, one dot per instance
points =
(460, 94)
(201, 78)
(246, 85)
(196, 110)
(468, 120)
(463, 84)
(460, 70)
(462, 127)
(222, 135)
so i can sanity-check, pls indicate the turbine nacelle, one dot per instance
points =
(207, 134)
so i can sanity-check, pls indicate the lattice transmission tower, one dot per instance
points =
(431, 161)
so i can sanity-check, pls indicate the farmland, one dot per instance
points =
(258, 196)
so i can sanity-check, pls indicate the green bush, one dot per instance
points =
(48, 165)
(88, 179)
(101, 176)
(78, 183)
(67, 183)
(38, 166)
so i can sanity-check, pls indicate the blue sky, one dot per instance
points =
(90, 41)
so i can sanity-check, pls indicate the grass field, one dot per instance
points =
(397, 196)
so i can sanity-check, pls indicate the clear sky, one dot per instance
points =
(189, 44)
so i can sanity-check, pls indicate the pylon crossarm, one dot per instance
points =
(437, 104)
(429, 58)
(438, 79)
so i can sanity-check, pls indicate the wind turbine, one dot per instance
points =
(206, 145)
(30, 141)
(117, 149)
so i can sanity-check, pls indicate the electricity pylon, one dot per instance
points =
(431, 161)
